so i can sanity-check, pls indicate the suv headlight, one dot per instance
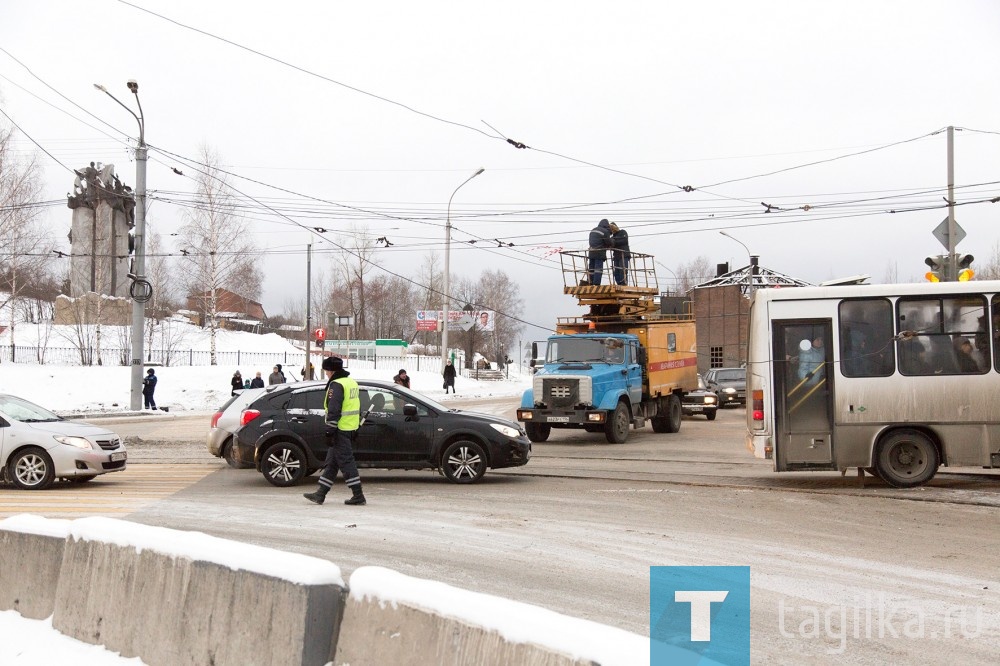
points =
(506, 431)
(78, 442)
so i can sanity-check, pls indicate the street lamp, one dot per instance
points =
(447, 271)
(139, 267)
(750, 266)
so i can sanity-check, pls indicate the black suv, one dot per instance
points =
(283, 434)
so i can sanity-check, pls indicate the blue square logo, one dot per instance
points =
(699, 615)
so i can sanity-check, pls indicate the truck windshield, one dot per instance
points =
(586, 350)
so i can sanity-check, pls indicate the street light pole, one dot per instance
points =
(139, 266)
(750, 266)
(447, 273)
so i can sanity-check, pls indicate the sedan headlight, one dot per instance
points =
(709, 399)
(506, 431)
(729, 390)
(78, 442)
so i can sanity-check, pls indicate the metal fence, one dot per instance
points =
(291, 361)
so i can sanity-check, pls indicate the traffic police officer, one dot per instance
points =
(343, 418)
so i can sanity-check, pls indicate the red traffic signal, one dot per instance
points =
(320, 334)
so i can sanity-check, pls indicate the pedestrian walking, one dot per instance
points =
(308, 372)
(257, 382)
(282, 373)
(343, 418)
(236, 382)
(275, 377)
(449, 377)
(402, 378)
(148, 387)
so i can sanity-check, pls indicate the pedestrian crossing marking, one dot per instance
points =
(114, 494)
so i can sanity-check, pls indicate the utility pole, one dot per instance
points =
(309, 260)
(952, 231)
(141, 291)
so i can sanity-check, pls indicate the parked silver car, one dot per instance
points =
(37, 447)
(226, 423)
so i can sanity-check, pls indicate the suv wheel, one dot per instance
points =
(31, 469)
(463, 461)
(229, 454)
(283, 464)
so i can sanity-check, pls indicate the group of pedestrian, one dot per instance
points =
(605, 237)
(238, 383)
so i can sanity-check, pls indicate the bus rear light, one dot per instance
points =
(757, 404)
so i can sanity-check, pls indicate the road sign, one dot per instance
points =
(941, 233)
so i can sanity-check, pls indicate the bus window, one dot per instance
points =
(938, 336)
(866, 333)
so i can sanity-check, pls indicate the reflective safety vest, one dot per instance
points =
(350, 410)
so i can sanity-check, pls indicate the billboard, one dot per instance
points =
(458, 320)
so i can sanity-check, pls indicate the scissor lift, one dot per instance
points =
(610, 302)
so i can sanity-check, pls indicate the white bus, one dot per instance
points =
(892, 379)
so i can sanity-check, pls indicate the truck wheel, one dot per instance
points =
(671, 421)
(616, 428)
(537, 432)
(907, 458)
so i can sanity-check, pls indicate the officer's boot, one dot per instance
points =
(358, 497)
(319, 496)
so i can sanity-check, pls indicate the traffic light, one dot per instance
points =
(964, 272)
(320, 335)
(938, 266)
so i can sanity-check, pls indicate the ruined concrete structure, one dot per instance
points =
(100, 242)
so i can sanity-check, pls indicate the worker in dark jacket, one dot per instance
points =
(343, 418)
(600, 242)
(148, 387)
(620, 253)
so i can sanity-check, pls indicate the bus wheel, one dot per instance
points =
(907, 458)
(537, 432)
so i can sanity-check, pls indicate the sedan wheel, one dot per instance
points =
(464, 462)
(283, 464)
(31, 469)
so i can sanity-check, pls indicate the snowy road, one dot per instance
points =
(841, 573)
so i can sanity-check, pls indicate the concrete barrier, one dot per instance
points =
(31, 553)
(395, 619)
(173, 597)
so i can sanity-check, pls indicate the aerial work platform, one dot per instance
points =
(610, 301)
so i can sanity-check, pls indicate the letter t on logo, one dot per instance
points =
(701, 610)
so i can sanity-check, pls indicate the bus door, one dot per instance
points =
(803, 394)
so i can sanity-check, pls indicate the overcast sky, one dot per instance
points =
(383, 108)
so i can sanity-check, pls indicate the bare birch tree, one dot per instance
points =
(23, 245)
(218, 251)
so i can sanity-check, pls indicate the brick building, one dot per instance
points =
(721, 309)
(232, 310)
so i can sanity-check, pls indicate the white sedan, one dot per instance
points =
(37, 447)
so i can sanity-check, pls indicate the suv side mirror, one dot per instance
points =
(410, 411)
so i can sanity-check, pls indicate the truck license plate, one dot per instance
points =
(558, 419)
(121, 455)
